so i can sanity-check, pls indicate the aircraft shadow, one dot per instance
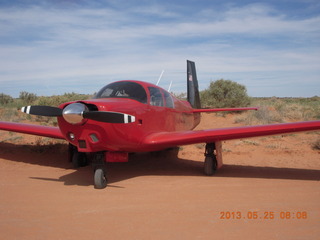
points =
(48, 155)
(164, 163)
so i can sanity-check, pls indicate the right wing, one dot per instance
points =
(171, 139)
(44, 131)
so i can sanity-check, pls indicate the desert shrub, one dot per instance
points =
(8, 114)
(10, 110)
(27, 97)
(225, 93)
(264, 115)
(181, 96)
(5, 99)
(56, 100)
(277, 110)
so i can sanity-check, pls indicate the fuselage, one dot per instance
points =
(155, 110)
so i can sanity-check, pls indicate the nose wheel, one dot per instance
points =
(100, 172)
(100, 178)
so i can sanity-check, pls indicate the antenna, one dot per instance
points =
(170, 86)
(160, 77)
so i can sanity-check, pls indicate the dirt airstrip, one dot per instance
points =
(269, 188)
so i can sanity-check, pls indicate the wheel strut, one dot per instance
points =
(210, 162)
(78, 159)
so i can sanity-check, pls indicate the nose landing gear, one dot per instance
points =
(100, 171)
(80, 159)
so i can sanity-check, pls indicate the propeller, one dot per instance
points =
(42, 111)
(109, 117)
(76, 113)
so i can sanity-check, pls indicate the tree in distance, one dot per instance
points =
(224, 94)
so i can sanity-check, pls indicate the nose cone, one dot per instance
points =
(73, 113)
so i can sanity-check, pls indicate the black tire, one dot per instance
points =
(79, 159)
(100, 179)
(71, 150)
(210, 165)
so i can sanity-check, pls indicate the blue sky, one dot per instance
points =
(53, 47)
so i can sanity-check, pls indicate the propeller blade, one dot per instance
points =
(42, 111)
(109, 117)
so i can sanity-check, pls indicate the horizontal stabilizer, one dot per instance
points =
(224, 109)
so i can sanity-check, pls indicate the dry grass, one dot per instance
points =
(316, 144)
(9, 111)
(279, 110)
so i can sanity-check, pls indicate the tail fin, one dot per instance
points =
(193, 87)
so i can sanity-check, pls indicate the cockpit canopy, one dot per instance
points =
(124, 89)
(135, 91)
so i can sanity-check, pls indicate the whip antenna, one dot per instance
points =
(170, 86)
(160, 77)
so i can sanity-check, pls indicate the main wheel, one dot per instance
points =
(79, 159)
(210, 165)
(100, 179)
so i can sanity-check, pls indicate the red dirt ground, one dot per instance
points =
(269, 188)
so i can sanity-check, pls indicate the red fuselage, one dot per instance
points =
(168, 114)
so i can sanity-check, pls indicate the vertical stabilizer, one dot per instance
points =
(193, 88)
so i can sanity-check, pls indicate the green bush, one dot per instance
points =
(225, 93)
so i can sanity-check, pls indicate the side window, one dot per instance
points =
(155, 97)
(169, 101)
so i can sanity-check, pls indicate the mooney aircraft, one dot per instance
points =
(133, 116)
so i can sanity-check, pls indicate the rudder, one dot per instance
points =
(193, 95)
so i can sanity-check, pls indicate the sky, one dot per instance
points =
(58, 46)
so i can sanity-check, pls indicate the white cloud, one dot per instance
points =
(72, 46)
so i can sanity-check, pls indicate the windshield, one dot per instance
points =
(130, 90)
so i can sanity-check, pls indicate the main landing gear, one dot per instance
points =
(78, 159)
(210, 162)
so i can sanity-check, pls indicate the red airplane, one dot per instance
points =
(134, 116)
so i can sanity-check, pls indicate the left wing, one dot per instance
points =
(170, 139)
(44, 131)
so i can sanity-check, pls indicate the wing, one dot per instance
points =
(44, 131)
(170, 139)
